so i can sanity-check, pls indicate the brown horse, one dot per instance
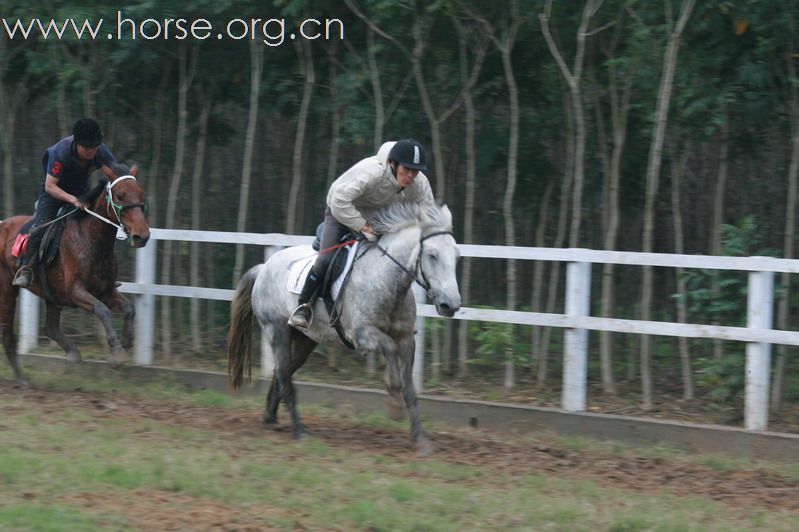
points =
(84, 272)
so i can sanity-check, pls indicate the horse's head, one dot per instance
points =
(124, 200)
(438, 260)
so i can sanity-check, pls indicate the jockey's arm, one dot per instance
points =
(52, 188)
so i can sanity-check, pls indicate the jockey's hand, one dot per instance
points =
(369, 233)
(77, 203)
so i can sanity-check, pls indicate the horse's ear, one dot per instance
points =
(134, 170)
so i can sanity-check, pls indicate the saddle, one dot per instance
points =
(333, 284)
(51, 240)
(47, 251)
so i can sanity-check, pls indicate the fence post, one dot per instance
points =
(578, 303)
(418, 356)
(28, 322)
(759, 314)
(267, 356)
(145, 304)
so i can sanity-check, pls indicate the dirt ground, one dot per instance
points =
(509, 455)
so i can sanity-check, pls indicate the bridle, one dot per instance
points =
(116, 208)
(418, 275)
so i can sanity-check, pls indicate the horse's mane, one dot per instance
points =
(400, 215)
(91, 196)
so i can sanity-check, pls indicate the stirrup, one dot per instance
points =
(23, 277)
(297, 315)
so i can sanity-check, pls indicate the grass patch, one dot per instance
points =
(46, 518)
(308, 484)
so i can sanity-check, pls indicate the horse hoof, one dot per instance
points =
(117, 359)
(73, 357)
(21, 384)
(301, 434)
(395, 410)
(424, 447)
(270, 420)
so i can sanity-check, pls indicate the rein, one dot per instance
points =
(420, 280)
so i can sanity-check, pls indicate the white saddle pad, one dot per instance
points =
(299, 270)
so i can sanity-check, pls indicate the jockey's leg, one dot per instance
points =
(46, 210)
(53, 330)
(331, 235)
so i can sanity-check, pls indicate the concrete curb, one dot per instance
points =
(494, 416)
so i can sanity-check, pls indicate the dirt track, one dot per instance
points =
(740, 488)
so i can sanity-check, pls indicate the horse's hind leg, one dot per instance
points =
(8, 305)
(53, 330)
(291, 349)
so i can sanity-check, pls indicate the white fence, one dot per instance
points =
(759, 332)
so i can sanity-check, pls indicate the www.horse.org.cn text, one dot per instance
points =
(269, 31)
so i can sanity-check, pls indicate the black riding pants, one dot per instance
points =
(332, 232)
(46, 210)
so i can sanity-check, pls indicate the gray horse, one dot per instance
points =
(378, 311)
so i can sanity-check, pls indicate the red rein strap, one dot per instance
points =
(331, 248)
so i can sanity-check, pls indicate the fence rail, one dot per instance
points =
(759, 333)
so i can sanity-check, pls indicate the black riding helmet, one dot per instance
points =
(87, 133)
(409, 154)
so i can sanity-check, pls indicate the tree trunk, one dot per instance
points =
(469, 120)
(196, 194)
(155, 163)
(619, 112)
(256, 69)
(560, 239)
(652, 178)
(783, 308)
(377, 90)
(510, 189)
(538, 270)
(187, 68)
(718, 217)
(10, 101)
(678, 169)
(573, 79)
(305, 55)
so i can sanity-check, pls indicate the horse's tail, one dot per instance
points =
(239, 337)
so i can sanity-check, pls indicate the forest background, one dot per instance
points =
(665, 126)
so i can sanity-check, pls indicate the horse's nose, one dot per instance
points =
(139, 240)
(448, 309)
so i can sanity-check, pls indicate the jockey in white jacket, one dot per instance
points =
(393, 175)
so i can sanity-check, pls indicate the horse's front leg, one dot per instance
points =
(404, 371)
(399, 375)
(53, 330)
(83, 299)
(121, 304)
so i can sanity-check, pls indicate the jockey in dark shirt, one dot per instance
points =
(66, 166)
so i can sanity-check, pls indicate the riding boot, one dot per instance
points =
(24, 276)
(302, 316)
